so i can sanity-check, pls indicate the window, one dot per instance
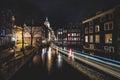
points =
(106, 48)
(91, 23)
(68, 34)
(110, 16)
(97, 28)
(59, 32)
(86, 30)
(73, 34)
(97, 38)
(2, 33)
(91, 38)
(78, 34)
(86, 38)
(91, 29)
(108, 38)
(108, 26)
(64, 31)
(75, 39)
(111, 49)
(102, 19)
(91, 46)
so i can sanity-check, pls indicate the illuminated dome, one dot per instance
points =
(46, 23)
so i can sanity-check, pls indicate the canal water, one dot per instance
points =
(48, 65)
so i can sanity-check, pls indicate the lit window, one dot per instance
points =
(86, 30)
(91, 38)
(73, 34)
(75, 39)
(111, 49)
(91, 29)
(78, 34)
(68, 34)
(97, 38)
(108, 26)
(91, 46)
(97, 28)
(69, 38)
(108, 38)
(86, 38)
(59, 32)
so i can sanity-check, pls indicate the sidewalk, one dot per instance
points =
(6, 55)
(9, 69)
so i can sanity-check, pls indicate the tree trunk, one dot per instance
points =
(31, 40)
(23, 40)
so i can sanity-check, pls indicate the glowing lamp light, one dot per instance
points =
(13, 39)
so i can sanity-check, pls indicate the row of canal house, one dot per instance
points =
(98, 35)
(6, 26)
(70, 36)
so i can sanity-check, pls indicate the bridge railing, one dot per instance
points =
(106, 65)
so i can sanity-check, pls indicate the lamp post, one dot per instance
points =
(13, 35)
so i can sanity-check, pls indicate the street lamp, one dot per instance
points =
(13, 34)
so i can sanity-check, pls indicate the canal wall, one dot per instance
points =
(9, 68)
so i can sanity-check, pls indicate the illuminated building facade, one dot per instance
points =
(102, 33)
(36, 32)
(70, 36)
(6, 28)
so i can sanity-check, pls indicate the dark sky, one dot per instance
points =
(59, 12)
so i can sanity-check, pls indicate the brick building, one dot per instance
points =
(102, 33)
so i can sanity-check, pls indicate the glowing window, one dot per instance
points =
(86, 38)
(91, 38)
(97, 28)
(108, 38)
(97, 38)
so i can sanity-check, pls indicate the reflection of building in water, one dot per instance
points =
(36, 60)
(44, 51)
(49, 62)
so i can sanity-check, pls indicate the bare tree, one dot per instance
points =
(33, 31)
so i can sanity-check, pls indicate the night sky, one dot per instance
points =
(59, 12)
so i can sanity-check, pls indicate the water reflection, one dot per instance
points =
(48, 58)
(36, 60)
(59, 60)
(44, 52)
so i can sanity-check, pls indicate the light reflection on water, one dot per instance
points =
(59, 60)
(47, 58)
(36, 60)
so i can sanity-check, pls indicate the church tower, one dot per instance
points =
(46, 23)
